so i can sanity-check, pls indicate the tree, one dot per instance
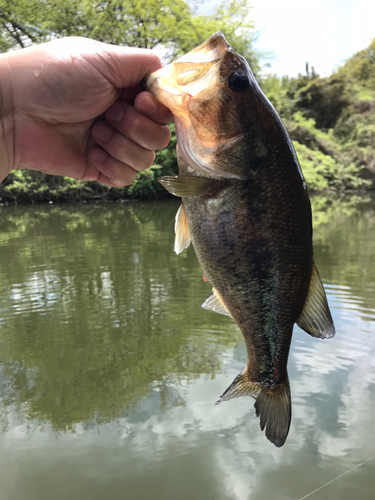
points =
(168, 25)
(361, 67)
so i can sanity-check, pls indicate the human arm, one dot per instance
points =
(73, 107)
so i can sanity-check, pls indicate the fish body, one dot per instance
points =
(246, 210)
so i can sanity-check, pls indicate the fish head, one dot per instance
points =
(217, 107)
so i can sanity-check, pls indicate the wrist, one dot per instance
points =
(7, 160)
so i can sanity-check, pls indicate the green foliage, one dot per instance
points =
(361, 68)
(167, 24)
(322, 99)
(322, 172)
(331, 120)
(324, 162)
(277, 91)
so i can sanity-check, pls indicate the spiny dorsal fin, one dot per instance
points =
(315, 317)
(186, 185)
(273, 405)
(181, 229)
(215, 302)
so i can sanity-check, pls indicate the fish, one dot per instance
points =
(246, 210)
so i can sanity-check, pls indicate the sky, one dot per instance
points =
(323, 33)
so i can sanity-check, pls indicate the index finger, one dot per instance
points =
(128, 66)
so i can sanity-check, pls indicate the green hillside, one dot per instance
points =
(331, 122)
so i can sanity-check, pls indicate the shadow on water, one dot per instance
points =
(102, 338)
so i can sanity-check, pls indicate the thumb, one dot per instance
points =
(128, 66)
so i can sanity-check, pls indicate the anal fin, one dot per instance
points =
(215, 302)
(273, 405)
(181, 228)
(315, 317)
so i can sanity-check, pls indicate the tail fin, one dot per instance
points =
(273, 405)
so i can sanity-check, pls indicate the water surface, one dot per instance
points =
(109, 367)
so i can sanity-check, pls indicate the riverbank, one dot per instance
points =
(330, 121)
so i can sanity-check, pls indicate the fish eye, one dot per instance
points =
(238, 81)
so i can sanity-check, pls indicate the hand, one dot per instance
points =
(73, 107)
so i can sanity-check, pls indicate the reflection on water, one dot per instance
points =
(109, 367)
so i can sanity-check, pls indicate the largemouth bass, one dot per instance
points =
(246, 210)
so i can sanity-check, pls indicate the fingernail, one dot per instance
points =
(115, 112)
(98, 154)
(146, 104)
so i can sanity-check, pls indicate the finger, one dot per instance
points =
(147, 104)
(113, 173)
(138, 127)
(121, 148)
(126, 66)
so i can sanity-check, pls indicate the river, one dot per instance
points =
(109, 367)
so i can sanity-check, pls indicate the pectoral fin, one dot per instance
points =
(315, 317)
(186, 185)
(181, 229)
(214, 302)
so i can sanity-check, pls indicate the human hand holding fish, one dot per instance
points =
(73, 107)
(246, 210)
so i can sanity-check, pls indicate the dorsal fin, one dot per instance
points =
(181, 229)
(215, 302)
(315, 317)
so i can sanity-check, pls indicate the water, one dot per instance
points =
(109, 367)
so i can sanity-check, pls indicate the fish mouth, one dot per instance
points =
(186, 85)
(174, 85)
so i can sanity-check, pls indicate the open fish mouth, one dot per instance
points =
(186, 77)
(195, 88)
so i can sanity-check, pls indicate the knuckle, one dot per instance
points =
(136, 127)
(123, 151)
